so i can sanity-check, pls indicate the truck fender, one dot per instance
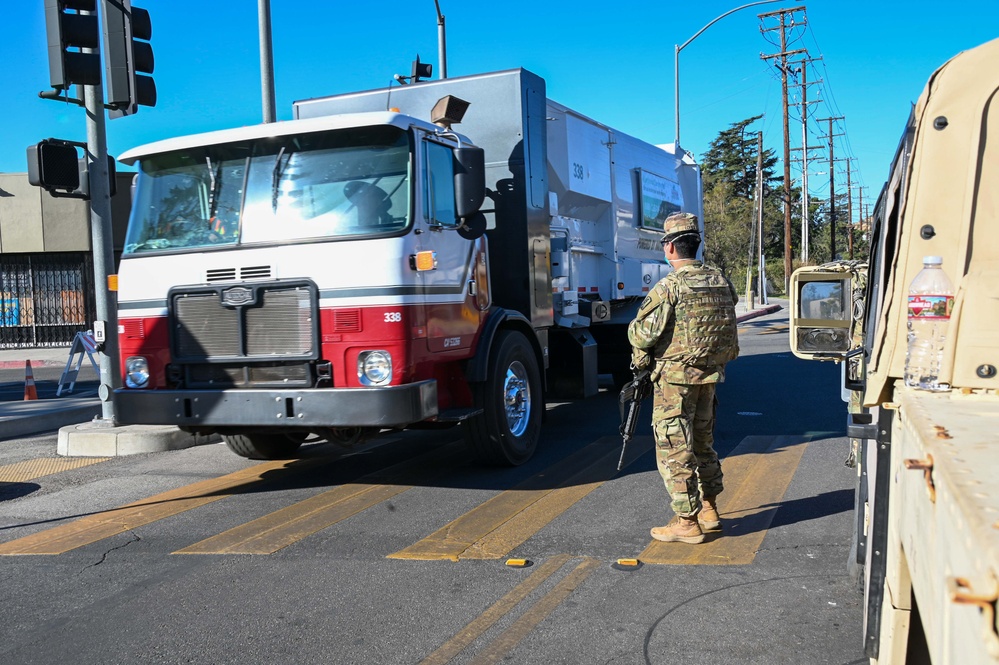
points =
(499, 319)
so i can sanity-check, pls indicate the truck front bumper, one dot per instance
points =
(392, 406)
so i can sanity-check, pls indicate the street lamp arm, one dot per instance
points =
(731, 11)
(676, 66)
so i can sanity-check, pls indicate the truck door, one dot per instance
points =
(454, 287)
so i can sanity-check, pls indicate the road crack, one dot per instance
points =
(134, 539)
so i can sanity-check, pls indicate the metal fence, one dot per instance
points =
(45, 299)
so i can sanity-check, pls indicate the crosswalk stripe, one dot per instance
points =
(757, 474)
(97, 526)
(508, 519)
(277, 530)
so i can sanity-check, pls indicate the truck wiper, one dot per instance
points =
(215, 177)
(276, 177)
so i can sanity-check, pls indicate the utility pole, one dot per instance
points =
(759, 220)
(849, 210)
(832, 188)
(805, 197)
(786, 17)
(757, 210)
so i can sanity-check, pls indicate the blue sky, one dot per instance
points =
(612, 61)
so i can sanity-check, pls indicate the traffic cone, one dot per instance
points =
(29, 382)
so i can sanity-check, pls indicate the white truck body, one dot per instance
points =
(328, 274)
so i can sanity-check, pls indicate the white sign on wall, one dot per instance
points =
(660, 197)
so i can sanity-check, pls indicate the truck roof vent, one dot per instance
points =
(448, 111)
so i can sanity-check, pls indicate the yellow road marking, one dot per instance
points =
(277, 530)
(496, 527)
(755, 483)
(36, 468)
(514, 635)
(91, 528)
(447, 651)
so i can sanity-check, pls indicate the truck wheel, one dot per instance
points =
(264, 446)
(507, 431)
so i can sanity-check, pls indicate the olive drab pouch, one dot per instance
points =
(645, 359)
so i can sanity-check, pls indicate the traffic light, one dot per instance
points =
(57, 167)
(420, 70)
(54, 165)
(67, 30)
(128, 58)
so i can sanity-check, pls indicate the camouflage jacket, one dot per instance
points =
(687, 324)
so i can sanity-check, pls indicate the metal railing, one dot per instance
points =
(45, 299)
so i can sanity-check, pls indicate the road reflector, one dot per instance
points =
(627, 564)
(518, 563)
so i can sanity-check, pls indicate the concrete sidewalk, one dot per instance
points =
(83, 432)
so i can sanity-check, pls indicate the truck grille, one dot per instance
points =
(245, 334)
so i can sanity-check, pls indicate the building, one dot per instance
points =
(46, 262)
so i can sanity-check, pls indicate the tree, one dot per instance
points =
(728, 169)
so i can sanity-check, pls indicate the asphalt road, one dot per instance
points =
(397, 552)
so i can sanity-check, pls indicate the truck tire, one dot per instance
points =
(506, 432)
(263, 446)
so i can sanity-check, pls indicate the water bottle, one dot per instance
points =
(931, 298)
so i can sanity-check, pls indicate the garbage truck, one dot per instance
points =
(926, 546)
(367, 266)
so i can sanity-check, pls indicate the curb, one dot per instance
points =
(19, 364)
(769, 309)
(101, 439)
(16, 427)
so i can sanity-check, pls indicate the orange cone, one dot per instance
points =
(29, 382)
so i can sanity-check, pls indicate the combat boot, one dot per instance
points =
(708, 517)
(679, 530)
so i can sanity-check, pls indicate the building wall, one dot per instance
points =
(33, 221)
(46, 267)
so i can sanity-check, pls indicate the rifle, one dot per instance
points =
(630, 404)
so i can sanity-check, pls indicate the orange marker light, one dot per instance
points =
(112, 283)
(423, 261)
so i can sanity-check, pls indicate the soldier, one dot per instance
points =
(686, 328)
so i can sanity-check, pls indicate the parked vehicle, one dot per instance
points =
(365, 266)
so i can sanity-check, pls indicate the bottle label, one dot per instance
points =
(927, 307)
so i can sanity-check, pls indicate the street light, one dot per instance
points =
(441, 42)
(676, 64)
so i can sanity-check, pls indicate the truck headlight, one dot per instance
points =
(136, 372)
(374, 368)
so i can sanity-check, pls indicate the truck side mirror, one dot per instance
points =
(469, 180)
(821, 314)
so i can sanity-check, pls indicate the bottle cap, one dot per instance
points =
(933, 260)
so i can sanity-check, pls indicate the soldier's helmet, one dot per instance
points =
(680, 223)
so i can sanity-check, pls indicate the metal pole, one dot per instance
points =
(101, 242)
(759, 235)
(266, 59)
(441, 42)
(805, 198)
(676, 64)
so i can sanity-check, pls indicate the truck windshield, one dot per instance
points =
(339, 184)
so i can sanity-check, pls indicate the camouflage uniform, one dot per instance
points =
(687, 325)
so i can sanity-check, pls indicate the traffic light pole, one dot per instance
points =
(101, 242)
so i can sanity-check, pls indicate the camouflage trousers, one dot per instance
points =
(683, 422)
